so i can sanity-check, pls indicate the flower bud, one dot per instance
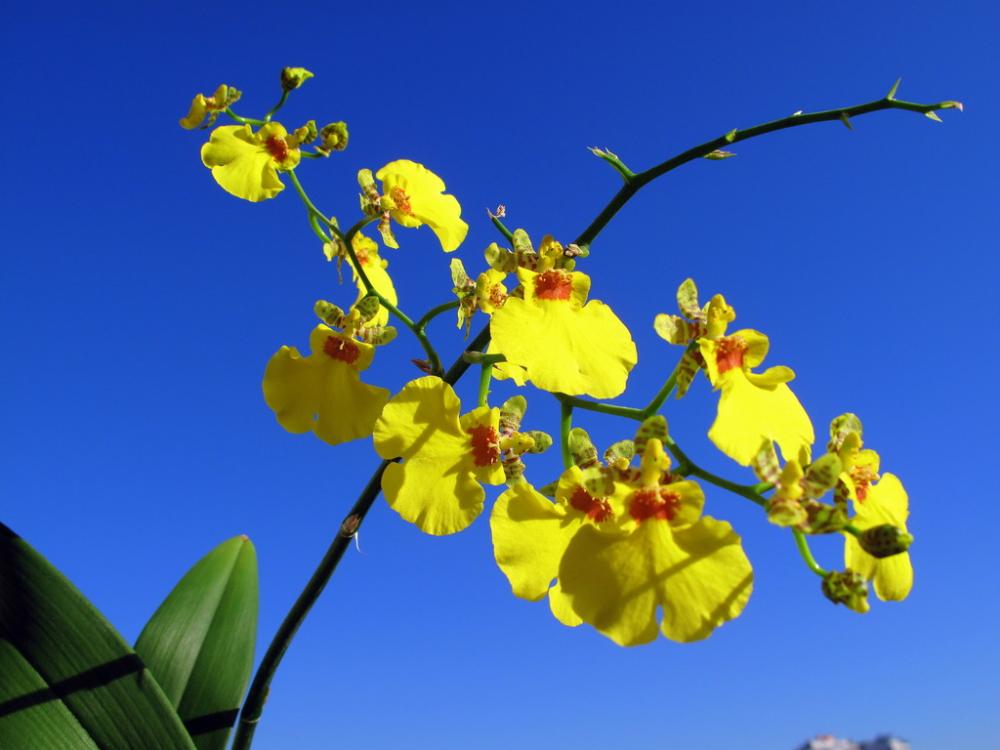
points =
(543, 441)
(333, 137)
(511, 414)
(847, 588)
(885, 540)
(292, 78)
(306, 134)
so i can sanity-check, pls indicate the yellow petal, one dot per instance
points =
(749, 414)
(887, 502)
(195, 114)
(435, 487)
(530, 534)
(323, 393)
(561, 607)
(377, 273)
(436, 492)
(585, 351)
(425, 408)
(698, 575)
(241, 165)
(422, 191)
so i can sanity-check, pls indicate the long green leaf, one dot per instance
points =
(200, 642)
(67, 679)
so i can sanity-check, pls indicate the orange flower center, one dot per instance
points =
(401, 199)
(485, 445)
(863, 477)
(341, 349)
(277, 148)
(729, 353)
(654, 502)
(596, 509)
(553, 285)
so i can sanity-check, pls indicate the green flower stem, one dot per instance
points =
(281, 102)
(310, 206)
(627, 412)
(565, 425)
(508, 235)
(253, 706)
(485, 378)
(317, 229)
(803, 546)
(689, 468)
(634, 184)
(852, 530)
(243, 120)
(434, 312)
(314, 215)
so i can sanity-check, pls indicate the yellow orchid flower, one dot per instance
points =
(445, 456)
(881, 506)
(416, 197)
(566, 346)
(621, 550)
(246, 163)
(885, 502)
(375, 268)
(753, 407)
(323, 392)
(210, 106)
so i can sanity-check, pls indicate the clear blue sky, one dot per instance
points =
(140, 304)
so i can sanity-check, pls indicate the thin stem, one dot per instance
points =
(485, 378)
(276, 107)
(317, 229)
(661, 396)
(508, 235)
(632, 185)
(803, 546)
(565, 425)
(852, 530)
(253, 706)
(310, 206)
(690, 468)
(627, 412)
(243, 120)
(434, 312)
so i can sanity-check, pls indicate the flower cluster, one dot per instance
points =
(620, 541)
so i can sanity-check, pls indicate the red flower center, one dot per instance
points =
(654, 502)
(596, 509)
(341, 349)
(401, 199)
(553, 285)
(485, 445)
(277, 148)
(863, 477)
(729, 353)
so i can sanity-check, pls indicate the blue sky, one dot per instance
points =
(141, 303)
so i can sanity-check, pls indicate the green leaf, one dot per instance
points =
(200, 642)
(69, 681)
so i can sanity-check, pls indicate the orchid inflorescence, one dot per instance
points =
(619, 540)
